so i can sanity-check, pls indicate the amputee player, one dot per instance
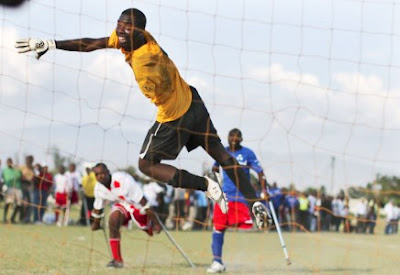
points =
(182, 118)
(238, 214)
(130, 204)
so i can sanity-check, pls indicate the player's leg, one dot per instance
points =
(220, 221)
(116, 219)
(164, 141)
(233, 170)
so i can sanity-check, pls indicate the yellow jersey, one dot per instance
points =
(157, 77)
(88, 183)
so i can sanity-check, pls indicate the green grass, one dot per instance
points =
(47, 249)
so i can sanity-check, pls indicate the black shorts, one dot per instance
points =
(164, 141)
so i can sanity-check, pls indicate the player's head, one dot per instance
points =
(61, 169)
(102, 174)
(130, 26)
(235, 138)
(72, 167)
(29, 160)
(10, 162)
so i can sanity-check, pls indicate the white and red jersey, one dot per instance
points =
(62, 189)
(123, 188)
(62, 184)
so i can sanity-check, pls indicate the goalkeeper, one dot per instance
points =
(182, 118)
(130, 204)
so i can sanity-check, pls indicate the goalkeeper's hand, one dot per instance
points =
(34, 44)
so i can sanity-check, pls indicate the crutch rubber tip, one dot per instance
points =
(288, 262)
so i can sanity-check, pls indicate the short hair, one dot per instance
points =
(235, 131)
(102, 165)
(139, 19)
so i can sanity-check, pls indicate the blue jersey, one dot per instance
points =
(247, 159)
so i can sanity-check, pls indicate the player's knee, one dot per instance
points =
(144, 166)
(219, 228)
(115, 221)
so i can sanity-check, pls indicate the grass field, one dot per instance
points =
(47, 249)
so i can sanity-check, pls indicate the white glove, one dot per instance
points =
(34, 44)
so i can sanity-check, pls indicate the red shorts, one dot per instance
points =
(61, 199)
(139, 219)
(238, 216)
(74, 197)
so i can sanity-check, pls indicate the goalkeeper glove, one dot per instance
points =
(34, 44)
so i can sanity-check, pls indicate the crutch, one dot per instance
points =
(103, 228)
(278, 229)
(66, 214)
(174, 242)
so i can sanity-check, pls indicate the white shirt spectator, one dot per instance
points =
(389, 211)
(150, 191)
(362, 208)
(74, 179)
(341, 209)
(311, 203)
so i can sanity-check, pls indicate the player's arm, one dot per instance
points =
(41, 46)
(97, 214)
(146, 209)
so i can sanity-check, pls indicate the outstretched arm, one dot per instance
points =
(41, 46)
(82, 44)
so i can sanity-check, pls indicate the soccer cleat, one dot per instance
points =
(216, 267)
(115, 264)
(214, 192)
(262, 215)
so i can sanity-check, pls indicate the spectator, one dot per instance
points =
(371, 217)
(190, 210)
(291, 205)
(88, 183)
(390, 217)
(277, 198)
(337, 210)
(340, 208)
(28, 176)
(75, 181)
(312, 217)
(303, 211)
(169, 204)
(42, 187)
(153, 192)
(12, 181)
(326, 212)
(176, 213)
(62, 189)
(347, 222)
(202, 210)
(362, 210)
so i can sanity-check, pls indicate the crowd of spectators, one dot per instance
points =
(26, 190)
